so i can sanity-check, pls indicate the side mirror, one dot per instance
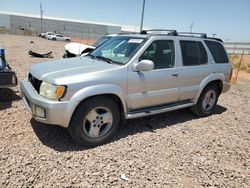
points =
(144, 65)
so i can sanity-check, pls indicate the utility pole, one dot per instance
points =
(214, 35)
(41, 15)
(142, 15)
(191, 27)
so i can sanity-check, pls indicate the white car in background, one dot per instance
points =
(48, 34)
(74, 49)
(58, 37)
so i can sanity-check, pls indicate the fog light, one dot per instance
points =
(40, 112)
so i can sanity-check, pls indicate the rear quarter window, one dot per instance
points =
(218, 52)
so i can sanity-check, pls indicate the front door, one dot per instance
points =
(159, 86)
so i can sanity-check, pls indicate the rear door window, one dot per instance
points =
(202, 53)
(193, 53)
(218, 52)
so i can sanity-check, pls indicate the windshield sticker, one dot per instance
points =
(135, 41)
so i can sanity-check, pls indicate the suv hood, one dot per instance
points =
(66, 68)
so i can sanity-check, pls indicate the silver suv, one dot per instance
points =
(129, 76)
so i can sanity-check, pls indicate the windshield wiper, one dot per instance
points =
(91, 56)
(105, 59)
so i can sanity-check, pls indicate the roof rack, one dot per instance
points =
(171, 32)
(202, 35)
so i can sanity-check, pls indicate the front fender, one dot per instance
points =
(84, 93)
(208, 79)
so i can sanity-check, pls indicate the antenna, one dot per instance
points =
(41, 15)
(142, 15)
(191, 27)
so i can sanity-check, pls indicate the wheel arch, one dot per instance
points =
(216, 79)
(95, 91)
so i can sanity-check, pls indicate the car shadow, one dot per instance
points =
(59, 139)
(15, 97)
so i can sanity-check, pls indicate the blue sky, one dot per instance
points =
(229, 19)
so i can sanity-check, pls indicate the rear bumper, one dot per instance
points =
(54, 111)
(226, 87)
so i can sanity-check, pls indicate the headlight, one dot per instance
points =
(51, 91)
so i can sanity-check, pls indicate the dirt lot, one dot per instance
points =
(174, 149)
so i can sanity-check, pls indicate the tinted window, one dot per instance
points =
(218, 52)
(161, 53)
(193, 53)
(203, 53)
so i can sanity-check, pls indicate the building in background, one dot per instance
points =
(17, 23)
(237, 47)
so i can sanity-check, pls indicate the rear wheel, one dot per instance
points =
(53, 38)
(207, 101)
(67, 40)
(94, 121)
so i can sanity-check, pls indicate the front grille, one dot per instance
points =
(35, 82)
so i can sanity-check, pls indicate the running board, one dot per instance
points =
(148, 112)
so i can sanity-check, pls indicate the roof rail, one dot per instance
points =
(171, 32)
(203, 35)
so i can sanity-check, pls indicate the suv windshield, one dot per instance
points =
(118, 49)
(100, 41)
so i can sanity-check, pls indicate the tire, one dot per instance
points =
(67, 40)
(54, 39)
(6, 95)
(207, 101)
(94, 121)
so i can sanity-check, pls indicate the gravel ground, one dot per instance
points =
(174, 149)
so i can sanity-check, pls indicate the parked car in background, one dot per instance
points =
(129, 76)
(76, 49)
(58, 37)
(42, 35)
(47, 34)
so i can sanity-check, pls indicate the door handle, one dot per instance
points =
(175, 74)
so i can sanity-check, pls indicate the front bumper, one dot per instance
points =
(226, 87)
(54, 111)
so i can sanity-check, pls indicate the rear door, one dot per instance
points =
(195, 67)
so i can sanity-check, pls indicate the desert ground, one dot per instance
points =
(174, 149)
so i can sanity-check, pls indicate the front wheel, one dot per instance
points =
(94, 121)
(207, 101)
